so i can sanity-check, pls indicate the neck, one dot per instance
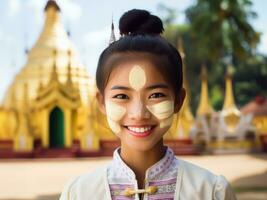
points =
(140, 161)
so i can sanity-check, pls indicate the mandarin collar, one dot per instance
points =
(151, 173)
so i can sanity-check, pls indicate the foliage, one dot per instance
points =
(217, 29)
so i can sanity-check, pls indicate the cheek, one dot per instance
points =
(164, 112)
(166, 122)
(114, 126)
(114, 114)
(114, 111)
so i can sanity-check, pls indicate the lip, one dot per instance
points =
(139, 135)
(142, 125)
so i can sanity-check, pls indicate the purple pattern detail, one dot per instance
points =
(120, 186)
(162, 165)
(162, 182)
(154, 172)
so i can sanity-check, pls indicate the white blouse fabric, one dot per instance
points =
(162, 175)
(174, 178)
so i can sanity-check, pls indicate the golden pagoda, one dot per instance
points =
(230, 113)
(234, 131)
(204, 107)
(184, 120)
(47, 103)
(40, 61)
(178, 137)
(201, 131)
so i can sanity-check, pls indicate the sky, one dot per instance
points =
(89, 24)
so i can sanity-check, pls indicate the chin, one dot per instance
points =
(139, 145)
(147, 143)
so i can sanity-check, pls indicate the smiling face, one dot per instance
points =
(139, 104)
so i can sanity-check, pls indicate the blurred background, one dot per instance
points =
(50, 125)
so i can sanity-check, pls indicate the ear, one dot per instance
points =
(179, 100)
(101, 102)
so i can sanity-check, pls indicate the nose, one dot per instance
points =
(138, 111)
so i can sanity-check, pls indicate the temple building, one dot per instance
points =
(226, 131)
(258, 109)
(46, 106)
(50, 109)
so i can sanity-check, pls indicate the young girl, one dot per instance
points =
(139, 78)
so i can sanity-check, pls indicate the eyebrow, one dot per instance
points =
(151, 87)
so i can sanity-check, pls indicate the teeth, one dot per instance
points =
(139, 130)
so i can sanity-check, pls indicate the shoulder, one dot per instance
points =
(85, 185)
(203, 182)
(193, 171)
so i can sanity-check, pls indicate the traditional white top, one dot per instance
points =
(191, 182)
(161, 175)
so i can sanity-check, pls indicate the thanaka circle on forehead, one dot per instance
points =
(120, 58)
(137, 77)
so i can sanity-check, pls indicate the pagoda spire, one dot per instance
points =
(54, 75)
(185, 117)
(52, 19)
(204, 105)
(69, 80)
(112, 35)
(13, 98)
(186, 104)
(229, 101)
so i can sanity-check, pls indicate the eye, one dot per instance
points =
(157, 95)
(120, 96)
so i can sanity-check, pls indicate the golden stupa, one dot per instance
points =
(51, 103)
(202, 128)
(184, 120)
(204, 107)
(47, 103)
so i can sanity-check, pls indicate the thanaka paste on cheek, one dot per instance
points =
(114, 114)
(114, 111)
(137, 78)
(114, 126)
(164, 112)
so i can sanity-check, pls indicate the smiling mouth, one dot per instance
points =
(140, 131)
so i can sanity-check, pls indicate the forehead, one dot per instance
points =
(120, 74)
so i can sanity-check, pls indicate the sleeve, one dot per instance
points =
(222, 190)
(68, 192)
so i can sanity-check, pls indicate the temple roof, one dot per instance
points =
(257, 107)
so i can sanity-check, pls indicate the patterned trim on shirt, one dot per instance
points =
(162, 174)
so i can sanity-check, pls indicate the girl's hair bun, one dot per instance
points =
(137, 21)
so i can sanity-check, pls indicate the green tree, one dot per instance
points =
(222, 28)
(214, 30)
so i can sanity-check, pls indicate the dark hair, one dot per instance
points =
(140, 37)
